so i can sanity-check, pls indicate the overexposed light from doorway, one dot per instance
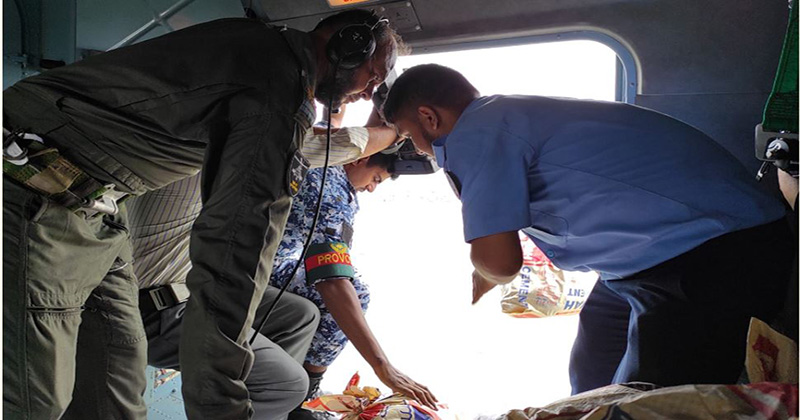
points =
(409, 247)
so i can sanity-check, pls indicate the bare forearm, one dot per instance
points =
(379, 138)
(374, 119)
(497, 258)
(342, 301)
(494, 278)
(340, 297)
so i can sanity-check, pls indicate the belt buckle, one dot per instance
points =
(168, 296)
(106, 203)
(161, 298)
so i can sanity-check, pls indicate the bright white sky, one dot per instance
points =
(409, 248)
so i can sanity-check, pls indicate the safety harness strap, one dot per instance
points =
(780, 113)
(159, 298)
(776, 138)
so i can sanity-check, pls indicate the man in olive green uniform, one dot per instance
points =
(232, 96)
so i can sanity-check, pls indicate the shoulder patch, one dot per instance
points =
(298, 168)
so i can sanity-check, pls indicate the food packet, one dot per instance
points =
(541, 289)
(771, 356)
(366, 404)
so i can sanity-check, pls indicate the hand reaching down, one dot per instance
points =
(399, 382)
(480, 286)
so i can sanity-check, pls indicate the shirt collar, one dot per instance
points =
(339, 172)
(439, 151)
(303, 48)
(439, 145)
(350, 188)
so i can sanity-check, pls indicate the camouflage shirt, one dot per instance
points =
(339, 207)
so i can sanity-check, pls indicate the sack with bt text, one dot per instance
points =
(541, 289)
(366, 404)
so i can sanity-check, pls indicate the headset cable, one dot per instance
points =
(313, 222)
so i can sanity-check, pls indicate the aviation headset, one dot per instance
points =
(351, 45)
(348, 48)
(354, 44)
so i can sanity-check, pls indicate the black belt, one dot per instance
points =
(159, 298)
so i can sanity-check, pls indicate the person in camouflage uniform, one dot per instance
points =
(341, 301)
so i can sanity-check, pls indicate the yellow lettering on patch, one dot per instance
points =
(339, 3)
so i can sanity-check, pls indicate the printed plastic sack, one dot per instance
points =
(771, 356)
(542, 289)
(366, 404)
(762, 401)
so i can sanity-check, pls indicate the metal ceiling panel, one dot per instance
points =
(401, 14)
(464, 16)
(103, 24)
(291, 9)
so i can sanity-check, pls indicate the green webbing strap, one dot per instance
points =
(780, 112)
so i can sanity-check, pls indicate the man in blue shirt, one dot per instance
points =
(687, 245)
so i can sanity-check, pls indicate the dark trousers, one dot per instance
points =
(683, 321)
(277, 381)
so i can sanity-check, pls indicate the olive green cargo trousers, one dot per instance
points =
(69, 304)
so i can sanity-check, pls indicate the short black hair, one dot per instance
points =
(385, 161)
(428, 84)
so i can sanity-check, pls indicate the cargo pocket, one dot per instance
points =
(116, 298)
(51, 351)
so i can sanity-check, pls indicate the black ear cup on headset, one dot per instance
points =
(352, 45)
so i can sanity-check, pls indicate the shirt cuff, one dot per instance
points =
(347, 145)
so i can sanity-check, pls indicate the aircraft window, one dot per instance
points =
(408, 246)
(580, 69)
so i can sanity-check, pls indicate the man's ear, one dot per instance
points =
(428, 117)
(355, 163)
